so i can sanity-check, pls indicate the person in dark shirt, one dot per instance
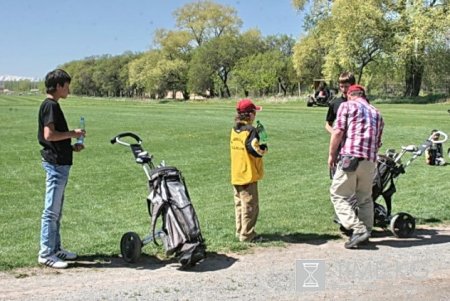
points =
(346, 79)
(322, 93)
(55, 138)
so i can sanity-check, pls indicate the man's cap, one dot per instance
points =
(246, 105)
(355, 88)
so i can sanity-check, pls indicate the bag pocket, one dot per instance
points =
(349, 163)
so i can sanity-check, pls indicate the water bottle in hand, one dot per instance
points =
(261, 132)
(80, 140)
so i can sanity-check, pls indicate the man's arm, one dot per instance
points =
(329, 127)
(335, 141)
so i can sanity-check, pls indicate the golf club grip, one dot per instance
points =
(125, 134)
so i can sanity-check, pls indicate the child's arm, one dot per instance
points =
(252, 144)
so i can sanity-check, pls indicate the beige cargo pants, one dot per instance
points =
(348, 186)
(246, 206)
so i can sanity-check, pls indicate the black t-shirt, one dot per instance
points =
(56, 152)
(333, 108)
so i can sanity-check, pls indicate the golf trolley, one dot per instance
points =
(169, 198)
(389, 167)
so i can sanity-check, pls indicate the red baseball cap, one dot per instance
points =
(246, 105)
(355, 88)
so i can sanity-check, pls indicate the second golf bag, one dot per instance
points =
(169, 199)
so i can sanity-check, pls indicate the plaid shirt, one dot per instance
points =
(362, 125)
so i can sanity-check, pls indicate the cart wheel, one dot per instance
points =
(402, 225)
(130, 247)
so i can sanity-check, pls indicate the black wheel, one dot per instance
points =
(402, 225)
(130, 247)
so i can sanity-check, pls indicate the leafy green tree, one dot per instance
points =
(259, 72)
(212, 62)
(176, 52)
(104, 75)
(24, 85)
(437, 66)
(174, 44)
(418, 26)
(206, 20)
(144, 74)
(309, 56)
(356, 33)
(286, 75)
(82, 76)
(317, 11)
(354, 47)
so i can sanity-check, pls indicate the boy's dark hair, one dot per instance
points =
(55, 77)
(347, 78)
(243, 117)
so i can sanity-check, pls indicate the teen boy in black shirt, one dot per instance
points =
(55, 138)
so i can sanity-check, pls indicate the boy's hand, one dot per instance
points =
(78, 133)
(264, 148)
(77, 147)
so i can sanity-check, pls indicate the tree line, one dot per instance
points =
(207, 55)
(393, 46)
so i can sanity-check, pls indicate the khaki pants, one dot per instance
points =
(348, 186)
(246, 206)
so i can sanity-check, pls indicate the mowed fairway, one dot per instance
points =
(106, 193)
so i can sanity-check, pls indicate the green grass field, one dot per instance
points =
(106, 193)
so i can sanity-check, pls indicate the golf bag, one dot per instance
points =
(435, 155)
(384, 185)
(169, 199)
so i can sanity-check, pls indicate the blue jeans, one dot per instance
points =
(56, 181)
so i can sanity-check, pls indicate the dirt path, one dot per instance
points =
(387, 269)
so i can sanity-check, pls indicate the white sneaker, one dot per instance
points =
(66, 255)
(53, 262)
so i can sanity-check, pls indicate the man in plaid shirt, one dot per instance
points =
(359, 128)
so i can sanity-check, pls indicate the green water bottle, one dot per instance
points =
(80, 140)
(261, 132)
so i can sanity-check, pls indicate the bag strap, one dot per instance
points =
(156, 213)
(157, 210)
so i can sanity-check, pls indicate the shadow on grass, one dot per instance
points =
(306, 238)
(212, 262)
(420, 220)
(421, 237)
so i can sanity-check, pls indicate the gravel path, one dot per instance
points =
(387, 269)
